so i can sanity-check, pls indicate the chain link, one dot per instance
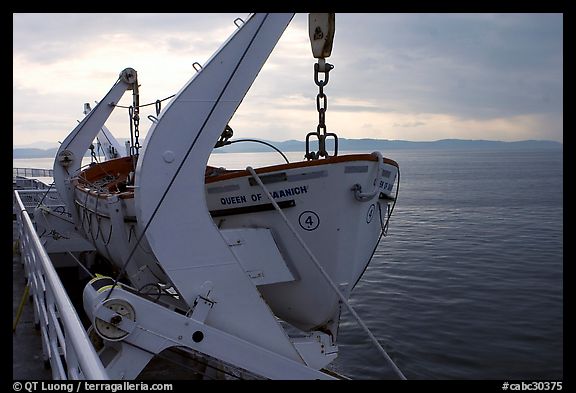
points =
(136, 116)
(158, 107)
(321, 107)
(93, 157)
(131, 123)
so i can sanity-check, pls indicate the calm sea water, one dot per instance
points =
(468, 283)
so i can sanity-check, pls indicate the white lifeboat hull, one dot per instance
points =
(317, 198)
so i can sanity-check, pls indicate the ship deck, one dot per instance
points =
(27, 363)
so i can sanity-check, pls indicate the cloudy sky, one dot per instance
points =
(417, 77)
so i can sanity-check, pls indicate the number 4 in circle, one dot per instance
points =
(309, 220)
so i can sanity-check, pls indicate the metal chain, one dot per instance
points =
(143, 105)
(158, 107)
(321, 106)
(136, 115)
(130, 117)
(92, 154)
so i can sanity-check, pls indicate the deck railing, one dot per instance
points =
(65, 343)
(32, 172)
(32, 198)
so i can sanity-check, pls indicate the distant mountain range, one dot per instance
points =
(343, 145)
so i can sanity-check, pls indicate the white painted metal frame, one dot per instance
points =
(171, 169)
(62, 331)
(177, 330)
(71, 152)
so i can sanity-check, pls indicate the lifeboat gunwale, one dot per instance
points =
(123, 166)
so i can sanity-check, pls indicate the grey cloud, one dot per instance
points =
(51, 37)
(474, 65)
(477, 66)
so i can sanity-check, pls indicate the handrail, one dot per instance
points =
(357, 188)
(31, 199)
(32, 172)
(55, 307)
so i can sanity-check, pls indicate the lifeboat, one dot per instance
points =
(322, 199)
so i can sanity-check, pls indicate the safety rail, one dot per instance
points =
(32, 198)
(25, 183)
(32, 172)
(65, 343)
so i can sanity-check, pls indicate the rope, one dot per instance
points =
(20, 307)
(109, 235)
(46, 193)
(383, 229)
(262, 142)
(81, 265)
(328, 279)
(150, 103)
(165, 193)
(385, 226)
(99, 229)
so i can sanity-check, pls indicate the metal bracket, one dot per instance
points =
(202, 307)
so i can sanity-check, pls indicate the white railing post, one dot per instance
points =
(60, 326)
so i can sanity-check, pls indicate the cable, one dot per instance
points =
(383, 228)
(151, 103)
(44, 196)
(326, 276)
(262, 142)
(186, 156)
(81, 265)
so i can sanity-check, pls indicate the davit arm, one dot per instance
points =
(109, 145)
(69, 156)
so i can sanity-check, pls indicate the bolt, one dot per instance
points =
(116, 319)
